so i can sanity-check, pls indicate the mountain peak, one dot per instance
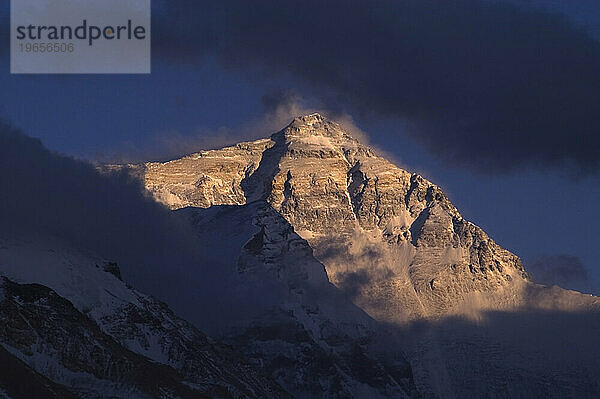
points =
(308, 119)
(313, 125)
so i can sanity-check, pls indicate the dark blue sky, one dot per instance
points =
(534, 207)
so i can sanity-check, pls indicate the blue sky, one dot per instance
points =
(533, 209)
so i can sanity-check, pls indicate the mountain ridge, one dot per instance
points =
(69, 317)
(321, 179)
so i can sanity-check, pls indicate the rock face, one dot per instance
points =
(95, 337)
(366, 219)
(216, 180)
(392, 243)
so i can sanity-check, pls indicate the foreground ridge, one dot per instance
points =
(85, 329)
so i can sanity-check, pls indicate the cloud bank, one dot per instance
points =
(485, 85)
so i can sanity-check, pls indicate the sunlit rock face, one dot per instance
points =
(207, 178)
(386, 236)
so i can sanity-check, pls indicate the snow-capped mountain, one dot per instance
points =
(68, 318)
(392, 243)
(318, 268)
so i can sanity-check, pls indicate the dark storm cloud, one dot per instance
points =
(484, 84)
(562, 270)
(50, 195)
(274, 100)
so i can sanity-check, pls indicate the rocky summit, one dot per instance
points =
(388, 236)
